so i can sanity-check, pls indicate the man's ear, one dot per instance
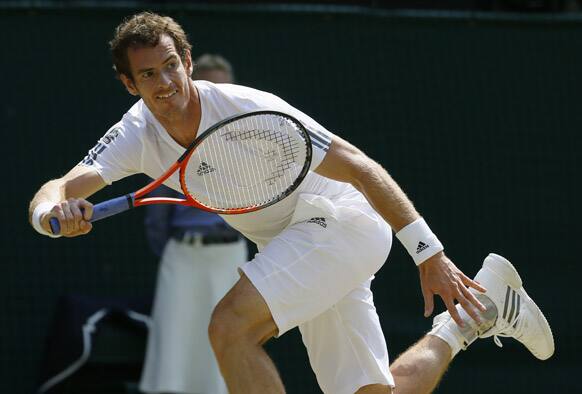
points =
(188, 66)
(129, 84)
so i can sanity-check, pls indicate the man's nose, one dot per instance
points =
(164, 79)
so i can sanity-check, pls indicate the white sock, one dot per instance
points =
(445, 328)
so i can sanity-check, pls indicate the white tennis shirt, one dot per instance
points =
(138, 143)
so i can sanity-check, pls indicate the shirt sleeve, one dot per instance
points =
(117, 154)
(320, 143)
(319, 135)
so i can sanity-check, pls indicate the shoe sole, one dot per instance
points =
(507, 272)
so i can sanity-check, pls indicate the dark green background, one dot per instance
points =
(476, 116)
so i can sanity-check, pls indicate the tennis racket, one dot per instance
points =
(241, 164)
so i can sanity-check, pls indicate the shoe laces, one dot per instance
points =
(507, 329)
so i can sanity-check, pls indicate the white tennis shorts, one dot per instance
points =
(316, 275)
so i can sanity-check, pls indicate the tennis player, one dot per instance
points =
(319, 248)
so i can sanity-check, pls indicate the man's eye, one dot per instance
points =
(172, 65)
(147, 74)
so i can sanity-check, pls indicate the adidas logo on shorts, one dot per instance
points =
(320, 221)
(204, 168)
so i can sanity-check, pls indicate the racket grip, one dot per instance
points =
(101, 211)
(112, 207)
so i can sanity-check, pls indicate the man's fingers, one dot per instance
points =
(76, 211)
(469, 308)
(64, 217)
(88, 212)
(86, 227)
(468, 301)
(428, 301)
(471, 283)
(453, 311)
(74, 215)
(87, 209)
(72, 223)
(473, 300)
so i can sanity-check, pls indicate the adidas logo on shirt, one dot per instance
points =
(421, 246)
(204, 168)
(320, 221)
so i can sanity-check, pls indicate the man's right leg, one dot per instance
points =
(240, 325)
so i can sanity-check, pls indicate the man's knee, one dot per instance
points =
(224, 326)
(241, 318)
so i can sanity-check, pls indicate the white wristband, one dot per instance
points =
(419, 241)
(40, 210)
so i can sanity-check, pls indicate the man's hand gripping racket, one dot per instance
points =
(239, 165)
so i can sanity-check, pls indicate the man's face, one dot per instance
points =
(160, 77)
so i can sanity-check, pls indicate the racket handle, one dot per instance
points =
(101, 211)
(112, 207)
(55, 226)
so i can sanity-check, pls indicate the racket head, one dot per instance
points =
(245, 163)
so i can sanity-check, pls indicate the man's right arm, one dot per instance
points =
(64, 198)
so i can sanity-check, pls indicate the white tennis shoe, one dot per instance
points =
(510, 313)
(518, 316)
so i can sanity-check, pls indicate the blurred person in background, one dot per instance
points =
(199, 258)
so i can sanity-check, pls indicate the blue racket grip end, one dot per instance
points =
(55, 226)
(101, 211)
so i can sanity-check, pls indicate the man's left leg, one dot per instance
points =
(418, 370)
(510, 313)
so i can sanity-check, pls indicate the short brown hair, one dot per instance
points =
(144, 30)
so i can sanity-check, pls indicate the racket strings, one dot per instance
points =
(246, 163)
(287, 146)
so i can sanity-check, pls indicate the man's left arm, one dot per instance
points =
(438, 275)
